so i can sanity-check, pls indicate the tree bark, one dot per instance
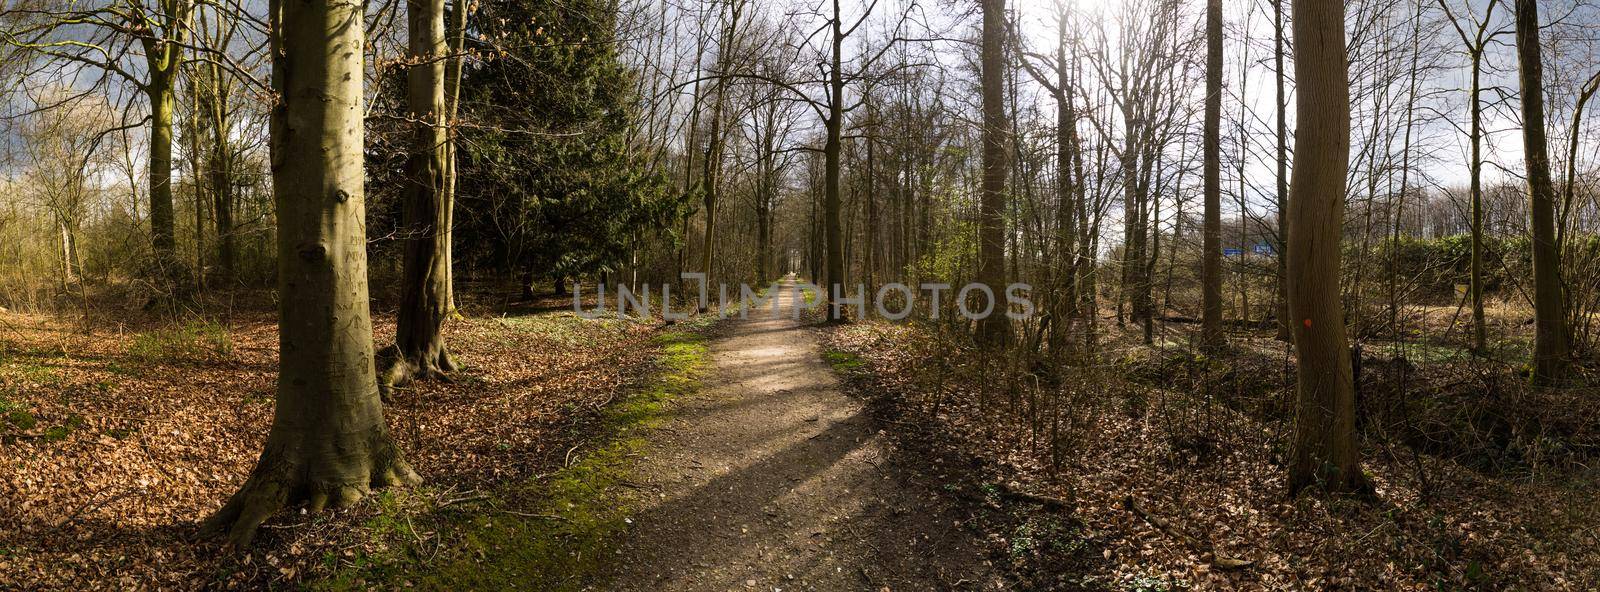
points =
(1550, 347)
(221, 173)
(1479, 345)
(1282, 311)
(995, 328)
(163, 103)
(1211, 337)
(1066, 147)
(419, 346)
(162, 58)
(328, 444)
(834, 266)
(1324, 445)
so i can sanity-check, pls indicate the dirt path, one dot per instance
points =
(773, 479)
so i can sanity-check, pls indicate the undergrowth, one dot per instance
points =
(192, 341)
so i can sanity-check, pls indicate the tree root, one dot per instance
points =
(276, 484)
(403, 369)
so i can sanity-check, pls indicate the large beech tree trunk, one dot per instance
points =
(1325, 418)
(1211, 266)
(328, 444)
(1550, 348)
(420, 350)
(163, 56)
(994, 328)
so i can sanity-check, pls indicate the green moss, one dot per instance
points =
(844, 362)
(21, 418)
(57, 433)
(571, 530)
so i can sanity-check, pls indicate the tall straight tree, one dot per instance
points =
(1477, 45)
(1282, 104)
(1550, 348)
(994, 328)
(163, 37)
(1211, 260)
(328, 444)
(715, 141)
(1325, 413)
(833, 122)
(420, 350)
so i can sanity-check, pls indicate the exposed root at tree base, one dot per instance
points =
(419, 366)
(278, 484)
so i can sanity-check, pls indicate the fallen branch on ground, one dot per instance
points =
(1054, 504)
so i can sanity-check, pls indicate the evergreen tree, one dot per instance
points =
(550, 185)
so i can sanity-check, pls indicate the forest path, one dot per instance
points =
(772, 478)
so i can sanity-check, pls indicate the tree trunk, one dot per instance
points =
(1282, 310)
(995, 328)
(1478, 326)
(328, 443)
(1550, 347)
(1324, 444)
(871, 238)
(66, 255)
(1211, 337)
(764, 219)
(834, 268)
(163, 103)
(419, 347)
(1066, 147)
(197, 186)
(713, 162)
(221, 171)
(452, 96)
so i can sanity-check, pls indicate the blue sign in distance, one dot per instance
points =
(1232, 252)
(1262, 249)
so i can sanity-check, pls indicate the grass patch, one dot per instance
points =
(558, 542)
(39, 373)
(192, 340)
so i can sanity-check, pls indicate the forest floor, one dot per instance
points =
(115, 442)
(1171, 466)
(778, 454)
(772, 478)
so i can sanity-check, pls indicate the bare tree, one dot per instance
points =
(994, 328)
(1476, 45)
